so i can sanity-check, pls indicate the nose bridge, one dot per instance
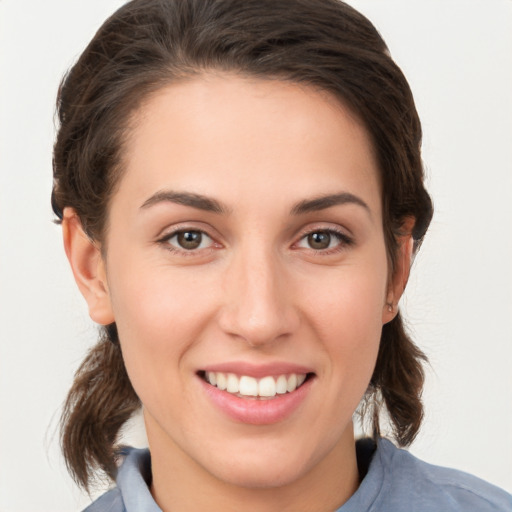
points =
(258, 306)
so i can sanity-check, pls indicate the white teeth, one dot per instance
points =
(267, 386)
(221, 381)
(292, 383)
(281, 384)
(233, 385)
(249, 386)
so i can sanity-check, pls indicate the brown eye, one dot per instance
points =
(319, 240)
(189, 240)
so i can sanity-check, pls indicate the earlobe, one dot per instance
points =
(88, 268)
(401, 271)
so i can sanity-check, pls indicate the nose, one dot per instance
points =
(258, 304)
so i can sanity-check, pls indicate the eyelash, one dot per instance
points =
(165, 241)
(344, 241)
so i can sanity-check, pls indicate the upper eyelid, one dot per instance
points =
(338, 230)
(345, 240)
(175, 233)
(170, 231)
(164, 241)
(172, 234)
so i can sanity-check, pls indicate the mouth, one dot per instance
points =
(252, 388)
(257, 395)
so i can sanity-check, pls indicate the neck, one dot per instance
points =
(180, 484)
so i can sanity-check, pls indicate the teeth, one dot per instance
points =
(220, 378)
(233, 386)
(267, 386)
(249, 386)
(281, 384)
(292, 383)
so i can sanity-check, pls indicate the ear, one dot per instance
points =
(398, 280)
(88, 268)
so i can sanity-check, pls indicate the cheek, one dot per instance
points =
(159, 320)
(347, 316)
(158, 300)
(350, 299)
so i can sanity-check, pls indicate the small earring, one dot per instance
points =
(390, 307)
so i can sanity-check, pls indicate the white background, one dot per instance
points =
(457, 56)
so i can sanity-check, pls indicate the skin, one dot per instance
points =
(254, 291)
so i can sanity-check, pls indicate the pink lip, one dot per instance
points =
(257, 371)
(254, 411)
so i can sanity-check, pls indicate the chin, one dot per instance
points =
(265, 463)
(251, 474)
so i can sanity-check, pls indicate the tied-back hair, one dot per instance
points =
(148, 44)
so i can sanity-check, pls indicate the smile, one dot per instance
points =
(245, 386)
(257, 394)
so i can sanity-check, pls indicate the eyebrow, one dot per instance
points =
(186, 199)
(324, 202)
(209, 204)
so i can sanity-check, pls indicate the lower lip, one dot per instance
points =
(254, 411)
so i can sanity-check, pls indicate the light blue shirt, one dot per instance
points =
(396, 482)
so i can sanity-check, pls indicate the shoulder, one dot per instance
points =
(111, 501)
(131, 493)
(425, 487)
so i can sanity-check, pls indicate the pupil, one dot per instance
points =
(319, 240)
(189, 239)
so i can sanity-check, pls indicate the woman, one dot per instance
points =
(241, 193)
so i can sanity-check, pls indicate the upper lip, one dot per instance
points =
(257, 370)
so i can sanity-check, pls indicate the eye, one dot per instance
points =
(189, 240)
(323, 240)
(319, 240)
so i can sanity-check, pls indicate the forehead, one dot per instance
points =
(221, 134)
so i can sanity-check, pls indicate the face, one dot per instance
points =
(245, 250)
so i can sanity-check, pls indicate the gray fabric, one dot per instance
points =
(132, 492)
(399, 482)
(396, 482)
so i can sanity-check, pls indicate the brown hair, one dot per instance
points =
(147, 44)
